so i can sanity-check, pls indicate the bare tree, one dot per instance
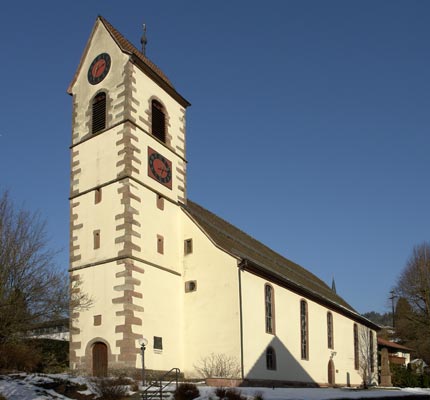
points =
(32, 289)
(414, 283)
(413, 308)
(218, 366)
(367, 362)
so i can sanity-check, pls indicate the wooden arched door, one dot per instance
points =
(100, 359)
(331, 373)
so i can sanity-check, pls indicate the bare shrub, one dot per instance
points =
(218, 366)
(109, 389)
(19, 356)
(258, 395)
(229, 394)
(220, 392)
(186, 391)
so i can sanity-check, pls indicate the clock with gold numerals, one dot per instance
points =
(99, 68)
(159, 168)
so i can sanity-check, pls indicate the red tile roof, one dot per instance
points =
(129, 48)
(394, 345)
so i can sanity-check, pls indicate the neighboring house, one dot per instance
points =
(159, 266)
(397, 354)
(57, 330)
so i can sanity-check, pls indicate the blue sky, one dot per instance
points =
(309, 124)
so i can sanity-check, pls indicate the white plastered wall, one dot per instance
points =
(100, 217)
(154, 221)
(98, 283)
(162, 317)
(287, 342)
(211, 313)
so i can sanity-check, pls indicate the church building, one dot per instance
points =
(158, 266)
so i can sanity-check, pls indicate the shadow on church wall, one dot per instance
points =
(288, 371)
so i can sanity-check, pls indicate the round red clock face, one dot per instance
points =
(160, 168)
(99, 68)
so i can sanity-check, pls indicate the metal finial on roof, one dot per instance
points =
(143, 40)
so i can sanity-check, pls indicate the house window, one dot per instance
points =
(269, 309)
(97, 195)
(160, 244)
(158, 343)
(330, 343)
(188, 246)
(97, 320)
(158, 121)
(190, 286)
(96, 239)
(304, 332)
(271, 358)
(160, 202)
(99, 113)
(371, 354)
(356, 360)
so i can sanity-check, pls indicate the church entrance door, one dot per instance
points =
(331, 373)
(100, 359)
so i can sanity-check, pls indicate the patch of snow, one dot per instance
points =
(23, 387)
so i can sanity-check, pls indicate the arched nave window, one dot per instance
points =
(270, 358)
(269, 308)
(330, 341)
(304, 331)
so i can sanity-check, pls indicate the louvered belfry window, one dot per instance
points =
(99, 112)
(158, 121)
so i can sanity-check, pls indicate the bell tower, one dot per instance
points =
(128, 178)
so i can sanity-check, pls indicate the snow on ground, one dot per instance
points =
(25, 389)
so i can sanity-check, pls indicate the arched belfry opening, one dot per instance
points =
(100, 359)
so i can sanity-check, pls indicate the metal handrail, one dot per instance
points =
(159, 384)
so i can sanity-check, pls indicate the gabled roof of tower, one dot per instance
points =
(128, 47)
(264, 261)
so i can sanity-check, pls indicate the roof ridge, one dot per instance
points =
(306, 275)
(129, 47)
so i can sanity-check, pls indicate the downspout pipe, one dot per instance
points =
(241, 267)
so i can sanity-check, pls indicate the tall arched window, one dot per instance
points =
(330, 341)
(158, 121)
(356, 360)
(270, 358)
(99, 113)
(269, 309)
(304, 332)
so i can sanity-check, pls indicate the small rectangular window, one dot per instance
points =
(190, 286)
(160, 244)
(97, 195)
(97, 320)
(160, 202)
(158, 343)
(96, 239)
(188, 246)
